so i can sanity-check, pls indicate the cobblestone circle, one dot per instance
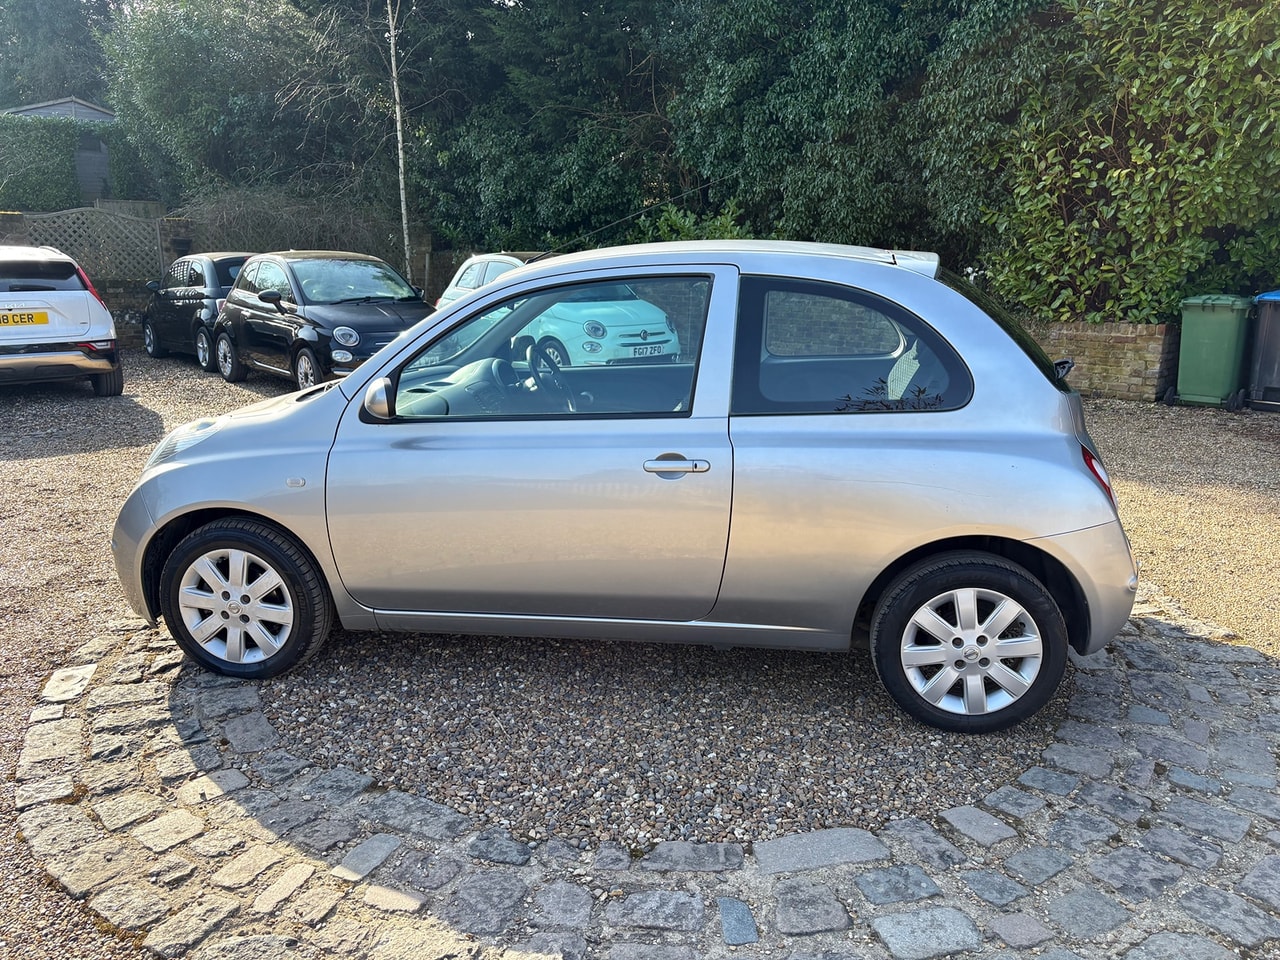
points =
(1150, 829)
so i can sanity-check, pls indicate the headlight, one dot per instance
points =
(185, 437)
(340, 356)
(591, 347)
(346, 336)
(594, 330)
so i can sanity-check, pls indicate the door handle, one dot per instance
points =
(675, 467)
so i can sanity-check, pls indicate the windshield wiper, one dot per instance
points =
(372, 298)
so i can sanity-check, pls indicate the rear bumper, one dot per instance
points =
(33, 363)
(1102, 563)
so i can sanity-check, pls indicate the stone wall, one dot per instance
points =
(1124, 361)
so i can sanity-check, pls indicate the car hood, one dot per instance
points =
(379, 315)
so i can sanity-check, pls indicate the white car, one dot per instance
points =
(476, 271)
(605, 323)
(53, 323)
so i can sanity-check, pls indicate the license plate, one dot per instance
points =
(652, 351)
(26, 318)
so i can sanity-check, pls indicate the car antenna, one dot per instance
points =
(631, 216)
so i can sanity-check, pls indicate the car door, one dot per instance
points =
(618, 510)
(268, 334)
(172, 304)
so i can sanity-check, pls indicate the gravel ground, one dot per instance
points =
(632, 742)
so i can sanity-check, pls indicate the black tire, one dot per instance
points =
(206, 349)
(306, 361)
(554, 349)
(952, 682)
(228, 360)
(243, 629)
(109, 384)
(151, 340)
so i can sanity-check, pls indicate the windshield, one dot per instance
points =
(350, 281)
(1008, 322)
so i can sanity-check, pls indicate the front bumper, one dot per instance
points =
(132, 525)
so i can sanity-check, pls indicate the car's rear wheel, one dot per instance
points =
(243, 599)
(151, 340)
(306, 369)
(109, 384)
(205, 355)
(969, 642)
(229, 365)
(554, 349)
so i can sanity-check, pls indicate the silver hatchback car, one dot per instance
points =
(851, 446)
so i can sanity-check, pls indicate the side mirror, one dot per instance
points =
(378, 405)
(153, 286)
(422, 294)
(272, 297)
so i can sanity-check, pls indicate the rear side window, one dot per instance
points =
(807, 347)
(1008, 323)
(17, 276)
(228, 270)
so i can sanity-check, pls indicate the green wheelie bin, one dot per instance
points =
(1211, 355)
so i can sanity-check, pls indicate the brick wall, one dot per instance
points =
(1125, 361)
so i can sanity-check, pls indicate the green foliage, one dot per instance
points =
(197, 85)
(37, 163)
(562, 135)
(1146, 170)
(49, 49)
(676, 223)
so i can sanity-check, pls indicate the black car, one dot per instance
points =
(184, 305)
(312, 314)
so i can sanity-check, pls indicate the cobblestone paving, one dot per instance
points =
(1149, 831)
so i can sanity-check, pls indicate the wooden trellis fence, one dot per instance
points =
(111, 246)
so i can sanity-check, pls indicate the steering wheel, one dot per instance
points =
(546, 376)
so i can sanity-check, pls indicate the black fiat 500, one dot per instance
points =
(185, 303)
(310, 315)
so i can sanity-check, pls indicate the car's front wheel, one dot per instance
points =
(969, 642)
(205, 351)
(306, 369)
(243, 599)
(151, 340)
(229, 363)
(554, 349)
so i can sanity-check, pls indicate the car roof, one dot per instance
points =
(917, 261)
(13, 251)
(219, 255)
(320, 255)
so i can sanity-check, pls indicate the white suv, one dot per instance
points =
(53, 323)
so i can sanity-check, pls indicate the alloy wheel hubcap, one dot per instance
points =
(971, 651)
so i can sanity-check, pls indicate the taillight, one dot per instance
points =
(221, 302)
(1099, 472)
(84, 278)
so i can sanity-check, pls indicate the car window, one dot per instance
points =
(17, 276)
(247, 280)
(809, 347)
(471, 277)
(590, 349)
(196, 279)
(497, 268)
(271, 276)
(177, 274)
(332, 280)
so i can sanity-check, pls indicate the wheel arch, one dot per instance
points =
(1056, 578)
(168, 537)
